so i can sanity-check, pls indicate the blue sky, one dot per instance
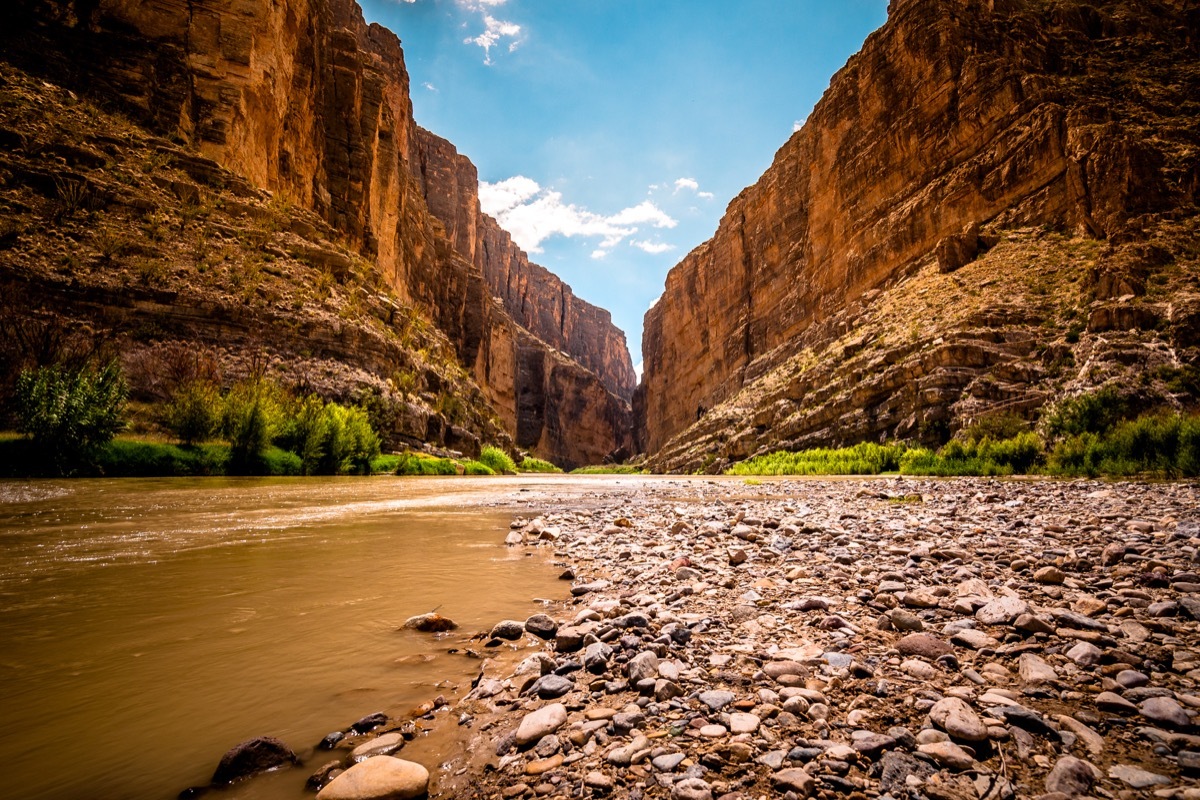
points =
(611, 134)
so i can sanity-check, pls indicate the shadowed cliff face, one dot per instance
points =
(956, 113)
(533, 295)
(304, 99)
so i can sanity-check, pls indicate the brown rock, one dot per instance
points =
(924, 645)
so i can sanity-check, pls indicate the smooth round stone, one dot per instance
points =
(542, 626)
(713, 731)
(598, 780)
(1165, 711)
(668, 762)
(379, 746)
(958, 719)
(1132, 679)
(948, 754)
(544, 721)
(380, 778)
(1071, 776)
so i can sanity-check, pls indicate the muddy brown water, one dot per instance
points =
(148, 625)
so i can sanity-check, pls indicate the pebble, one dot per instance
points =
(544, 721)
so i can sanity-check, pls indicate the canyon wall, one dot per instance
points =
(306, 100)
(956, 114)
(537, 298)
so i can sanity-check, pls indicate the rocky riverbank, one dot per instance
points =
(955, 639)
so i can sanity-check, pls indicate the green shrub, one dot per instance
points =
(281, 462)
(252, 417)
(531, 464)
(1096, 412)
(304, 430)
(995, 426)
(421, 464)
(69, 413)
(329, 438)
(986, 456)
(865, 458)
(497, 460)
(477, 468)
(193, 413)
(1166, 445)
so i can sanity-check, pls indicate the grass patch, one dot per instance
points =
(866, 458)
(477, 468)
(530, 464)
(497, 460)
(385, 463)
(609, 469)
(422, 464)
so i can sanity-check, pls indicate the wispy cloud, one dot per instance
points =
(798, 124)
(653, 248)
(533, 214)
(429, 85)
(494, 30)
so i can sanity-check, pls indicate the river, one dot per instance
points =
(149, 625)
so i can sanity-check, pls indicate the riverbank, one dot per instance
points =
(961, 639)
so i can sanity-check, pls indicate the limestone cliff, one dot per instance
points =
(306, 101)
(533, 295)
(959, 125)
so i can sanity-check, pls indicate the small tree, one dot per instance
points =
(194, 411)
(251, 420)
(70, 412)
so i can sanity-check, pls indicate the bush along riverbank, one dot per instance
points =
(68, 420)
(984, 640)
(1090, 436)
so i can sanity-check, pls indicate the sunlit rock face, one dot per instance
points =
(959, 121)
(304, 99)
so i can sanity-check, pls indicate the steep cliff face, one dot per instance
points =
(956, 114)
(534, 296)
(304, 99)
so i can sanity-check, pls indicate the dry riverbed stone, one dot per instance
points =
(379, 778)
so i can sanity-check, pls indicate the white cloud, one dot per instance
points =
(430, 86)
(532, 214)
(653, 248)
(497, 198)
(493, 29)
(692, 185)
(798, 124)
(637, 370)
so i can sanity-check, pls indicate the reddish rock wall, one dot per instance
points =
(305, 99)
(955, 113)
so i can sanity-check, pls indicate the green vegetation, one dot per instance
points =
(1089, 435)
(609, 469)
(477, 468)
(497, 460)
(69, 413)
(531, 464)
(193, 414)
(422, 464)
(861, 459)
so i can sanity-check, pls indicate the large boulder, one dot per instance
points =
(379, 778)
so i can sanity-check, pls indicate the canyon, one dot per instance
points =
(992, 205)
(282, 136)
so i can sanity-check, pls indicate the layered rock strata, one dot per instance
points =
(535, 297)
(954, 115)
(304, 99)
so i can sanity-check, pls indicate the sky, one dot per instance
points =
(610, 135)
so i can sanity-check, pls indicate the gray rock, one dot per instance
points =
(958, 719)
(924, 645)
(1071, 776)
(542, 626)
(717, 699)
(668, 762)
(1002, 610)
(596, 656)
(1165, 711)
(794, 779)
(509, 629)
(543, 722)
(643, 665)
(691, 789)
(1114, 704)
(550, 687)
(252, 757)
(1137, 778)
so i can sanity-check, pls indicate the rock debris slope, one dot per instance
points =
(1055, 139)
(307, 102)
